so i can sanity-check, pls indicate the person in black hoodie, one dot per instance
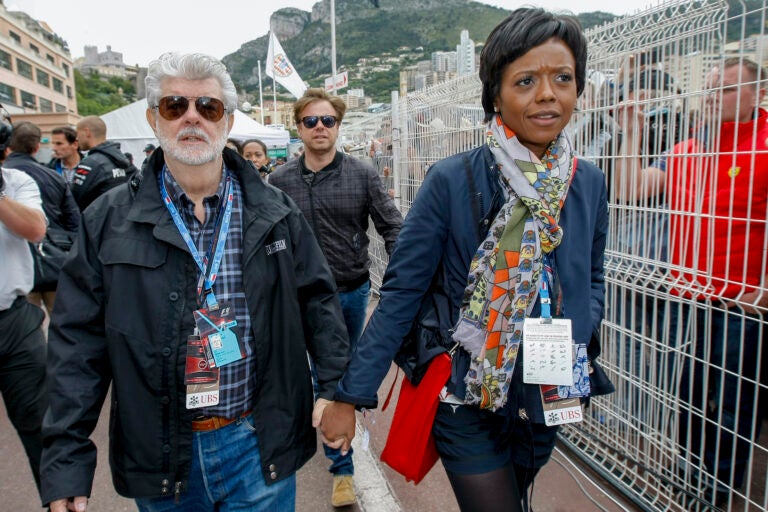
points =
(104, 167)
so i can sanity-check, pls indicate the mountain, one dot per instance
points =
(364, 31)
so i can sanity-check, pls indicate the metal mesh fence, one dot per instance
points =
(686, 255)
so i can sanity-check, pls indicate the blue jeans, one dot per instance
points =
(354, 305)
(226, 476)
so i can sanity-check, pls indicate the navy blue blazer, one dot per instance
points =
(439, 235)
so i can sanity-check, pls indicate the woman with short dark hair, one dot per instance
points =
(502, 243)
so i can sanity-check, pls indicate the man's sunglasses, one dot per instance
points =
(311, 121)
(173, 107)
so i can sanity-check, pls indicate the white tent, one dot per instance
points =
(128, 126)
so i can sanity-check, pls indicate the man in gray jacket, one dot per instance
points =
(338, 193)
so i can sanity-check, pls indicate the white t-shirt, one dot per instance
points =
(18, 275)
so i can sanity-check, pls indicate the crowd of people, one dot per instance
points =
(225, 298)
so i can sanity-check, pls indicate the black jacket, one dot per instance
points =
(337, 205)
(104, 167)
(58, 204)
(124, 310)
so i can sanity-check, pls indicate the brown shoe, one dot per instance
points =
(343, 492)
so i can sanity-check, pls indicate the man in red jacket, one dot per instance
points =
(717, 188)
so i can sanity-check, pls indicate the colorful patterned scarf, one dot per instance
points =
(504, 273)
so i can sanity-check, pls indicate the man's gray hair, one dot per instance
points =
(191, 66)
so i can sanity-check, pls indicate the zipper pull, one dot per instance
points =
(176, 492)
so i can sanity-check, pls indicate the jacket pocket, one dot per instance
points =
(126, 251)
(138, 284)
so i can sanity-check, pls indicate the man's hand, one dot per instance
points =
(317, 412)
(754, 303)
(338, 425)
(630, 117)
(76, 504)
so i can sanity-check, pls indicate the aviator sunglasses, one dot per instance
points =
(311, 121)
(173, 107)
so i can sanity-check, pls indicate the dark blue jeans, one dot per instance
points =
(718, 392)
(354, 305)
(226, 475)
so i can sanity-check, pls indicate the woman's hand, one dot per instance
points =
(338, 425)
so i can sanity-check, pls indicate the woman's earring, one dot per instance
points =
(495, 108)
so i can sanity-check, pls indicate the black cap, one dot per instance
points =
(653, 79)
(149, 147)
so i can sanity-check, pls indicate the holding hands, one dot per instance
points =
(337, 423)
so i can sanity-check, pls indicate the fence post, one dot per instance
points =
(396, 141)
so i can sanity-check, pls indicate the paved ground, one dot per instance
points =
(379, 488)
(561, 486)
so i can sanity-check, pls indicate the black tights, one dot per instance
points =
(488, 491)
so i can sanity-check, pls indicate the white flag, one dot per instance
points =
(280, 69)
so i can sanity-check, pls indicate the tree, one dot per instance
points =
(97, 95)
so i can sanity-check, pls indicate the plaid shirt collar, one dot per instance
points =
(185, 204)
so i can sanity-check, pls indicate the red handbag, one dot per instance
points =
(410, 448)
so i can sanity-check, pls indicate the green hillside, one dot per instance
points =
(371, 33)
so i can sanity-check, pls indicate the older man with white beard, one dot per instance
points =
(196, 292)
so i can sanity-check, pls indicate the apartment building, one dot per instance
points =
(465, 55)
(36, 72)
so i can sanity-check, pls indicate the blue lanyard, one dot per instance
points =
(545, 301)
(208, 273)
(546, 280)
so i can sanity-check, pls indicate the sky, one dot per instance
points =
(143, 29)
